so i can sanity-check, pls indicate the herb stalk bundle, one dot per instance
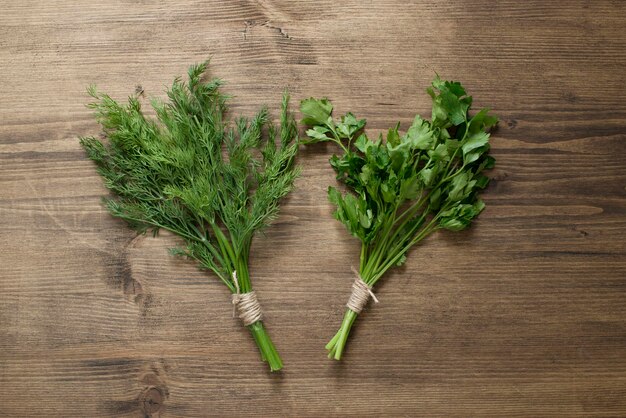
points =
(190, 172)
(405, 188)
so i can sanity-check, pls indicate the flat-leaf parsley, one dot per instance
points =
(405, 188)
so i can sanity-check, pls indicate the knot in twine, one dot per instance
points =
(246, 304)
(361, 293)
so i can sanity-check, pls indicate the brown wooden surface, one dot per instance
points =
(525, 314)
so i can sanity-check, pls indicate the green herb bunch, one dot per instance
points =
(190, 172)
(405, 188)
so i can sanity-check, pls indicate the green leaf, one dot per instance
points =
(419, 135)
(435, 199)
(398, 155)
(393, 138)
(488, 163)
(348, 168)
(363, 143)
(482, 181)
(365, 219)
(440, 153)
(349, 125)
(316, 112)
(334, 196)
(352, 211)
(410, 188)
(388, 192)
(475, 146)
(454, 108)
(428, 175)
(377, 154)
(458, 187)
(450, 103)
(453, 224)
(481, 121)
(317, 134)
(459, 217)
(455, 88)
(475, 141)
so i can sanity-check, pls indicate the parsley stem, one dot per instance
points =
(390, 263)
(362, 258)
(337, 344)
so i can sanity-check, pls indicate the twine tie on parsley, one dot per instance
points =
(246, 304)
(361, 293)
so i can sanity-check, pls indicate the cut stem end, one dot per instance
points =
(337, 344)
(266, 346)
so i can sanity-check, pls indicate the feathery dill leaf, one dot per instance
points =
(191, 172)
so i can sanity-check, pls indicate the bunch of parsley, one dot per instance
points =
(191, 173)
(405, 188)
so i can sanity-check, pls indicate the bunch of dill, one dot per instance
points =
(192, 173)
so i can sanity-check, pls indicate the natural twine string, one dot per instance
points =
(246, 304)
(361, 293)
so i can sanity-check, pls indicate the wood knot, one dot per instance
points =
(151, 400)
(132, 287)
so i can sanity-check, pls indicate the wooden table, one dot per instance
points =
(524, 314)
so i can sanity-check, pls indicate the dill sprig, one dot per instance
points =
(196, 175)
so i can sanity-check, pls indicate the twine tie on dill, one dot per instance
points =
(361, 293)
(246, 304)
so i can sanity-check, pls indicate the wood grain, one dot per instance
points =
(524, 314)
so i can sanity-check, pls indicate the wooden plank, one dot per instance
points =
(522, 315)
